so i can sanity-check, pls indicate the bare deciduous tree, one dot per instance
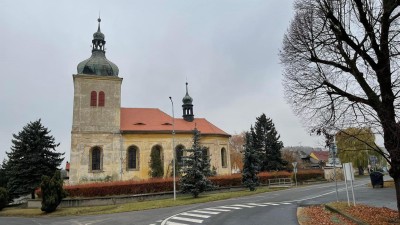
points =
(236, 146)
(341, 68)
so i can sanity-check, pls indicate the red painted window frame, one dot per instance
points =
(93, 98)
(102, 98)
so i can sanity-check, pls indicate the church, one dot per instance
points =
(110, 142)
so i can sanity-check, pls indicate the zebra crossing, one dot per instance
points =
(199, 215)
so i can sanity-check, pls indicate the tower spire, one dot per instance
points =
(187, 106)
(99, 20)
(98, 64)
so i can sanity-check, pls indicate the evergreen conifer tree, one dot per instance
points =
(3, 175)
(267, 143)
(194, 179)
(156, 164)
(32, 155)
(251, 163)
(52, 192)
(3, 197)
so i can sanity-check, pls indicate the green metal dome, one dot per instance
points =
(98, 64)
(187, 100)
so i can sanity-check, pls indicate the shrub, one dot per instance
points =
(3, 197)
(120, 188)
(303, 175)
(156, 185)
(52, 192)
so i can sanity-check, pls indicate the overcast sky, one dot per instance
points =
(227, 51)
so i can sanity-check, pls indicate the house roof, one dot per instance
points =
(320, 155)
(153, 120)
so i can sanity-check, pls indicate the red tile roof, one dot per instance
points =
(152, 120)
(321, 155)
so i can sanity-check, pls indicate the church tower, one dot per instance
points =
(95, 137)
(187, 106)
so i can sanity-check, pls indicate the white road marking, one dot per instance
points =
(271, 204)
(194, 215)
(204, 211)
(173, 223)
(214, 211)
(229, 207)
(246, 206)
(220, 210)
(256, 204)
(187, 219)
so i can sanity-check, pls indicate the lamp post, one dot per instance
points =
(334, 151)
(173, 146)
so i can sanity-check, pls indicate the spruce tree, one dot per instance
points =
(52, 192)
(3, 175)
(33, 154)
(267, 143)
(196, 170)
(251, 164)
(3, 197)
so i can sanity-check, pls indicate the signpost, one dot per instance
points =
(295, 171)
(349, 176)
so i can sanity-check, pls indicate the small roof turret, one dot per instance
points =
(187, 106)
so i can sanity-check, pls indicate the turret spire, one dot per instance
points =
(187, 106)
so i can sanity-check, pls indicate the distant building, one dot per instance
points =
(111, 142)
(319, 157)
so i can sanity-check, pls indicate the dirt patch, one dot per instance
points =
(314, 215)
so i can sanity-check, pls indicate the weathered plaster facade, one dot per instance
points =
(102, 135)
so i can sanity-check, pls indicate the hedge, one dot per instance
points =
(165, 185)
(303, 175)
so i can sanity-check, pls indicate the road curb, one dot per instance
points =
(334, 210)
(301, 217)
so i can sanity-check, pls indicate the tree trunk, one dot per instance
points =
(397, 185)
(33, 194)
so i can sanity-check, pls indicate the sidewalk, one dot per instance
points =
(378, 198)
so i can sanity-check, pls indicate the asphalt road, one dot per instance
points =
(277, 207)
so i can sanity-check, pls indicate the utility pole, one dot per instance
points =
(173, 146)
(334, 150)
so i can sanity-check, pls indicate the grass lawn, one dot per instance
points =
(134, 206)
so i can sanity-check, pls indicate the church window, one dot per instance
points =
(205, 154)
(101, 98)
(133, 158)
(179, 154)
(223, 158)
(93, 98)
(96, 162)
(156, 163)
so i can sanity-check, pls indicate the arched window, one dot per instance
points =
(156, 162)
(101, 98)
(96, 162)
(179, 154)
(132, 158)
(205, 154)
(223, 158)
(93, 98)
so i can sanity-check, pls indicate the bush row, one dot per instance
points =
(303, 175)
(165, 185)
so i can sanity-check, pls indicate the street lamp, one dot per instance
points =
(173, 146)
(334, 151)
